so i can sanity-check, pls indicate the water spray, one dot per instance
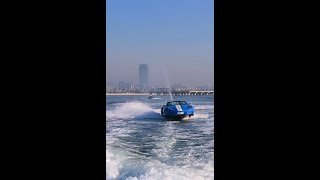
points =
(167, 82)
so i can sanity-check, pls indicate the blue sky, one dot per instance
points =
(175, 35)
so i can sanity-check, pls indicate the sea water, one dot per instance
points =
(142, 145)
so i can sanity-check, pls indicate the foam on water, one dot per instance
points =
(112, 165)
(199, 116)
(127, 167)
(139, 110)
(142, 145)
(134, 109)
(204, 107)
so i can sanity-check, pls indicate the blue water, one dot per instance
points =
(142, 145)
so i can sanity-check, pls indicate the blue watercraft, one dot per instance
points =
(177, 110)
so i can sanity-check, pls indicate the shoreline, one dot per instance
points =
(147, 94)
(127, 94)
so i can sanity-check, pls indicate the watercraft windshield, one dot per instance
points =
(173, 103)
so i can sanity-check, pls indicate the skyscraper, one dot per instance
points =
(143, 76)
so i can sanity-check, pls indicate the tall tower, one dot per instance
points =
(143, 76)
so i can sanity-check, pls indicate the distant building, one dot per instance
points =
(163, 89)
(124, 85)
(143, 76)
(110, 87)
(178, 85)
(203, 87)
(135, 86)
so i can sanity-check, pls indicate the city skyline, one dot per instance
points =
(135, 79)
(175, 39)
(132, 85)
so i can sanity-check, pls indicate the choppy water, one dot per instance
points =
(142, 145)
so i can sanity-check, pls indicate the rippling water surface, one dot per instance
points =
(142, 145)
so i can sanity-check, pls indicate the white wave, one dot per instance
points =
(139, 110)
(150, 115)
(125, 166)
(134, 110)
(165, 143)
(173, 173)
(200, 116)
(112, 166)
(204, 107)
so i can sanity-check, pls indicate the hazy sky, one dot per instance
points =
(173, 36)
